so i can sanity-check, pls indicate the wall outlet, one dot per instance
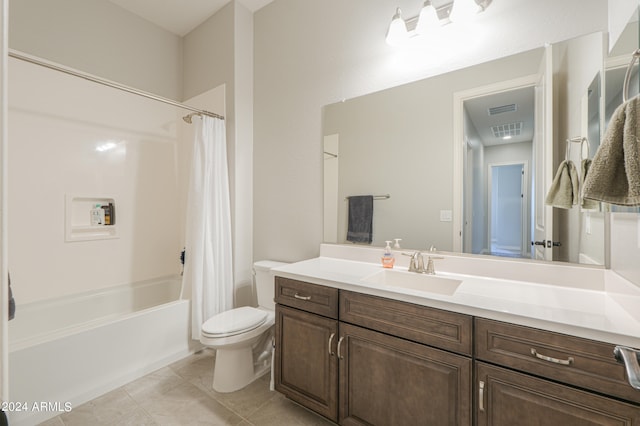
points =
(446, 215)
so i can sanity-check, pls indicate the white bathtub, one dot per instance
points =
(67, 351)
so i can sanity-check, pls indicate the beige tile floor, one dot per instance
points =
(181, 394)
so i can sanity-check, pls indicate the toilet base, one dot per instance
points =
(234, 369)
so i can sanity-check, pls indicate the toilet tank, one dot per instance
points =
(264, 282)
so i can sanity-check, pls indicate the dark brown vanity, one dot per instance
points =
(360, 359)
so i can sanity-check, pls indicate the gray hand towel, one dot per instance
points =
(360, 227)
(614, 175)
(587, 203)
(564, 188)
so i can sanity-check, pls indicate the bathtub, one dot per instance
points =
(66, 351)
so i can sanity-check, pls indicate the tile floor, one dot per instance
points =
(181, 394)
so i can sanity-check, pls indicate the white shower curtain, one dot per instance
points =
(208, 254)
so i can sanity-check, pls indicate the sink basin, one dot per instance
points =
(413, 281)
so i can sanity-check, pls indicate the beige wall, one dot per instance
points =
(220, 51)
(100, 38)
(310, 54)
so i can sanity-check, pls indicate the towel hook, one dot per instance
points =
(567, 150)
(627, 76)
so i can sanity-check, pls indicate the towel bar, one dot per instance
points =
(578, 139)
(375, 197)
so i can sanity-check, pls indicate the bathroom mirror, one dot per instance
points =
(398, 142)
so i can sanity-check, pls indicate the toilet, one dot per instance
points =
(242, 337)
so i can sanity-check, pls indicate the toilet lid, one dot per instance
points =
(234, 321)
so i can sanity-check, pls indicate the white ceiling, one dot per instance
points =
(524, 99)
(181, 16)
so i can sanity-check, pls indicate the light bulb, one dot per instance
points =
(397, 32)
(464, 10)
(428, 18)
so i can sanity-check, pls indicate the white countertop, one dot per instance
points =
(609, 313)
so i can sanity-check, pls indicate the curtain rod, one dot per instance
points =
(28, 58)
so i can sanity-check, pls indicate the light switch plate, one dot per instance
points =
(446, 215)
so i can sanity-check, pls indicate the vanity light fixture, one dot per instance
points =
(464, 10)
(397, 32)
(430, 17)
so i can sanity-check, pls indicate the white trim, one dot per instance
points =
(458, 142)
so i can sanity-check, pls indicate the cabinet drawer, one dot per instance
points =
(314, 298)
(507, 398)
(442, 329)
(581, 362)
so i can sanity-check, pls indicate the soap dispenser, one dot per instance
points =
(387, 259)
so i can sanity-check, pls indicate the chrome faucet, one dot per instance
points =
(416, 264)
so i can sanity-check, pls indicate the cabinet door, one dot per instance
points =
(389, 381)
(507, 398)
(306, 367)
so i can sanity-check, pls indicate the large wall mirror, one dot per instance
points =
(398, 144)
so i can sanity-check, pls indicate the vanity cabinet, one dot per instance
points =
(385, 380)
(376, 361)
(306, 367)
(365, 360)
(544, 378)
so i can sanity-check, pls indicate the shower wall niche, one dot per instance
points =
(78, 221)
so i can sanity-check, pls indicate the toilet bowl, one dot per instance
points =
(242, 337)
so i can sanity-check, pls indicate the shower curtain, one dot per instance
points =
(208, 259)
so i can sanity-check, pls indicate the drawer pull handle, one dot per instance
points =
(481, 396)
(297, 296)
(340, 344)
(567, 361)
(330, 340)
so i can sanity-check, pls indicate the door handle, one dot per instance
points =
(338, 349)
(539, 243)
(481, 396)
(631, 360)
(330, 340)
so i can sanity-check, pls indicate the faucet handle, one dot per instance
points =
(431, 270)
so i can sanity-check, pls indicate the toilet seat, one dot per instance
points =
(233, 322)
